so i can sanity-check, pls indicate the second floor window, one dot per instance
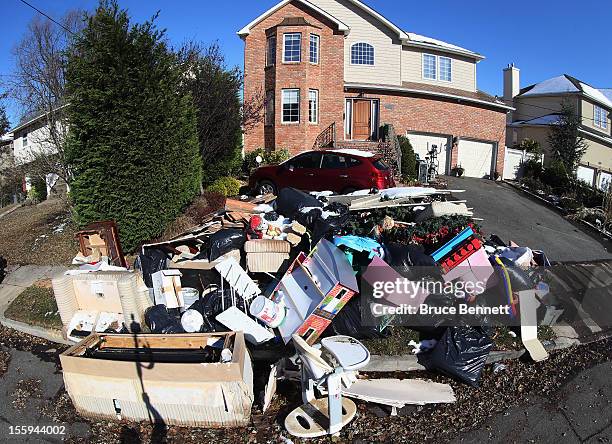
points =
(25, 139)
(601, 117)
(271, 51)
(446, 70)
(292, 44)
(291, 106)
(314, 48)
(429, 67)
(362, 54)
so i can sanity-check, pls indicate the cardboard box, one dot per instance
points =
(189, 394)
(266, 255)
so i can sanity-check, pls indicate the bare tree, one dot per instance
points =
(38, 86)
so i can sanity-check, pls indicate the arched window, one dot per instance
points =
(362, 54)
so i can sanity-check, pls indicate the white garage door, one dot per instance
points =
(512, 163)
(475, 157)
(585, 174)
(605, 181)
(423, 143)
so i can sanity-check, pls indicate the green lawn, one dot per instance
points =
(35, 306)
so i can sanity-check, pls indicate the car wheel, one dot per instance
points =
(348, 190)
(266, 187)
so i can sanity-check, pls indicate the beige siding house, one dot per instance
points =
(537, 107)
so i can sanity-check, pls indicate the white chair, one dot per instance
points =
(318, 417)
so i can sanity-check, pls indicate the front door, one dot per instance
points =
(362, 119)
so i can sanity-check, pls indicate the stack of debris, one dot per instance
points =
(279, 276)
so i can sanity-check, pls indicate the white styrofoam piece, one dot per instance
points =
(400, 392)
(236, 320)
(237, 278)
(528, 305)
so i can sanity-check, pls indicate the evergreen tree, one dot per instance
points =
(566, 144)
(133, 142)
(409, 168)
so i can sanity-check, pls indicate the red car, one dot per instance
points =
(341, 171)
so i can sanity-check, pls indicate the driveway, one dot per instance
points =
(513, 216)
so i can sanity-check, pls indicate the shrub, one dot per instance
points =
(269, 158)
(226, 186)
(409, 163)
(227, 165)
(532, 168)
(556, 176)
(133, 142)
(38, 192)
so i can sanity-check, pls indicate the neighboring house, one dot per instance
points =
(537, 107)
(326, 65)
(31, 139)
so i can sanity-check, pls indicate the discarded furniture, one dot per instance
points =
(201, 380)
(314, 289)
(318, 417)
(109, 292)
(102, 239)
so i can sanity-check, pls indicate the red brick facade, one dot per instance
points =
(429, 115)
(406, 112)
(327, 77)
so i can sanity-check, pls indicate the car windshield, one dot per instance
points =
(380, 165)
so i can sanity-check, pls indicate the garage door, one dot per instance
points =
(423, 143)
(605, 181)
(585, 174)
(476, 158)
(512, 163)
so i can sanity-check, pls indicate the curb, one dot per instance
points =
(409, 363)
(6, 213)
(39, 332)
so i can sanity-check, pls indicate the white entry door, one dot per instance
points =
(423, 144)
(476, 158)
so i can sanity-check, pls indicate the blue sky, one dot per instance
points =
(544, 38)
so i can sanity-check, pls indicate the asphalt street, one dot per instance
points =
(513, 216)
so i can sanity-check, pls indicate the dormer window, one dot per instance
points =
(292, 47)
(601, 117)
(362, 54)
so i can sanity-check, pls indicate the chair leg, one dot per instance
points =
(307, 386)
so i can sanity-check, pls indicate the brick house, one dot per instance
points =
(338, 67)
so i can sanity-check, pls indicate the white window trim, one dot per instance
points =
(318, 48)
(603, 117)
(268, 39)
(440, 71)
(285, 43)
(283, 121)
(423, 67)
(361, 64)
(316, 121)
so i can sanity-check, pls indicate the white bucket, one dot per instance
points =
(268, 311)
(190, 296)
(192, 321)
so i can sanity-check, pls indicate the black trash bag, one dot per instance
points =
(3, 265)
(149, 262)
(290, 201)
(224, 241)
(348, 322)
(411, 261)
(320, 227)
(211, 304)
(461, 353)
(159, 320)
(271, 216)
(519, 279)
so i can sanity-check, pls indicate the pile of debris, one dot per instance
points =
(275, 279)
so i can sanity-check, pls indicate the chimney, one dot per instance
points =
(512, 86)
